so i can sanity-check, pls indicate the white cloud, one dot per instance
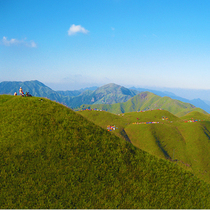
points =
(18, 42)
(76, 29)
(33, 44)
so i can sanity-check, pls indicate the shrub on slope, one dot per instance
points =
(51, 157)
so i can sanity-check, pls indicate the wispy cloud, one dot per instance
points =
(23, 42)
(77, 29)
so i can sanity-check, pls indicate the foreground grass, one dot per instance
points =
(51, 157)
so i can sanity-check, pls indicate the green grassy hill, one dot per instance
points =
(196, 115)
(52, 157)
(146, 101)
(187, 144)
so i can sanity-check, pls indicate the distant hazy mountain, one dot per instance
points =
(107, 94)
(76, 92)
(159, 93)
(112, 93)
(69, 92)
(207, 102)
(147, 101)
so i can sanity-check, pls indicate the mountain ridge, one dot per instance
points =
(146, 101)
(196, 102)
(107, 94)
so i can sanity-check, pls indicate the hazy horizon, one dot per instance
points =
(181, 92)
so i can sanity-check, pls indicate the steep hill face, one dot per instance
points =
(51, 157)
(146, 101)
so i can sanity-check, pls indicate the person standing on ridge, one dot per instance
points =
(20, 91)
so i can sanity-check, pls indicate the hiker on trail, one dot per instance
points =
(15, 94)
(21, 91)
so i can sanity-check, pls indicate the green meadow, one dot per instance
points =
(52, 157)
(186, 144)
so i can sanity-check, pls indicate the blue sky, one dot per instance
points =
(79, 43)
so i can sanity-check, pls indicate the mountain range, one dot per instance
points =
(107, 94)
(147, 101)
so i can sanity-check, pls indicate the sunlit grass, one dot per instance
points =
(52, 157)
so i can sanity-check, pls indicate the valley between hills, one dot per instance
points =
(157, 155)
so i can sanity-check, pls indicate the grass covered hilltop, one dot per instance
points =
(52, 157)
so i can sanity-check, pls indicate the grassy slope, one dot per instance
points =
(185, 112)
(196, 115)
(145, 101)
(51, 157)
(177, 141)
(188, 143)
(103, 119)
(154, 115)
